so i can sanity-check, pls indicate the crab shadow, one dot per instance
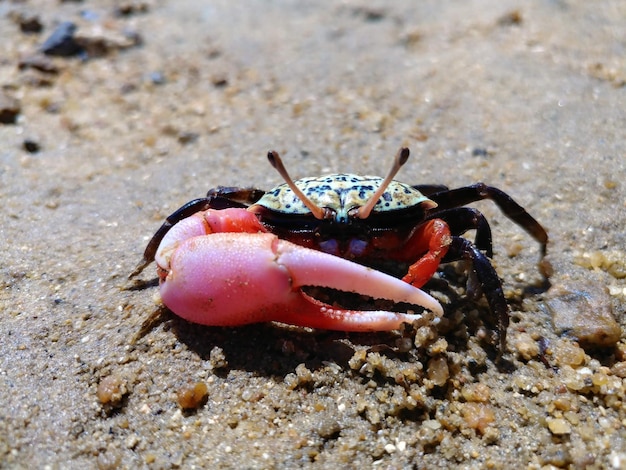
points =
(276, 349)
(273, 349)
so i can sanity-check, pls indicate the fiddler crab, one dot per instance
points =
(241, 256)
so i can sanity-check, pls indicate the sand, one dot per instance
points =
(170, 99)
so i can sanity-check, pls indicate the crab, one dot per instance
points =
(241, 255)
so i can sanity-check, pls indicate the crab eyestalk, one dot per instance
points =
(320, 213)
(400, 159)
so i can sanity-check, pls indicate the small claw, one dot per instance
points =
(240, 278)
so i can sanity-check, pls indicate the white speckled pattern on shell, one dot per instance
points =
(341, 193)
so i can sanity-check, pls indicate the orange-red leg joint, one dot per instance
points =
(433, 239)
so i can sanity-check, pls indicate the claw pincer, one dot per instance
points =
(236, 278)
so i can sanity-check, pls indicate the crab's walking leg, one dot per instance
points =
(462, 219)
(462, 249)
(447, 199)
(430, 243)
(183, 212)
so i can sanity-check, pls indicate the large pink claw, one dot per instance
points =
(238, 278)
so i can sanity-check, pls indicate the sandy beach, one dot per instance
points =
(145, 105)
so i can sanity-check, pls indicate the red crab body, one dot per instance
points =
(243, 256)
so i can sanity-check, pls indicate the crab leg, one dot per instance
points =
(240, 278)
(429, 244)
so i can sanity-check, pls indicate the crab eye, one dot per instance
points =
(354, 212)
(329, 214)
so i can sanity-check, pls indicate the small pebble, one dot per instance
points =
(512, 18)
(390, 448)
(31, 146)
(432, 424)
(127, 8)
(525, 346)
(131, 441)
(62, 42)
(29, 23)
(424, 335)
(611, 261)
(559, 426)
(556, 457)
(111, 391)
(40, 63)
(476, 392)
(568, 353)
(562, 404)
(98, 42)
(219, 81)
(187, 137)
(217, 358)
(193, 396)
(478, 416)
(327, 427)
(9, 109)
(583, 312)
(157, 78)
(304, 374)
(619, 369)
(438, 370)
(480, 152)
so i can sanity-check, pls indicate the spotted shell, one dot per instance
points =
(341, 193)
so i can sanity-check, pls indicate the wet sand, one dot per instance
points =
(170, 99)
